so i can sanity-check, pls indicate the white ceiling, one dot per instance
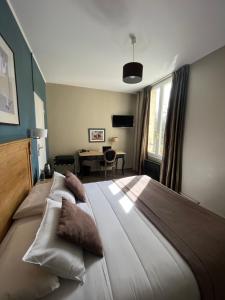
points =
(86, 42)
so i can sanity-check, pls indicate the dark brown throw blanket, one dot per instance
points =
(196, 233)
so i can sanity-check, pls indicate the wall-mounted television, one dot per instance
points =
(122, 121)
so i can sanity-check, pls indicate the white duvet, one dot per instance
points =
(138, 264)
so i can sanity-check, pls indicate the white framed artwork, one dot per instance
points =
(96, 135)
(8, 94)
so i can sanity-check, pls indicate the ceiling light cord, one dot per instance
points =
(133, 41)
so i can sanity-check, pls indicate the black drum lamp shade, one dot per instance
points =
(132, 71)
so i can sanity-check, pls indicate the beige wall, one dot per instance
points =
(204, 140)
(72, 110)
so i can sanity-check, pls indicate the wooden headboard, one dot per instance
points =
(15, 179)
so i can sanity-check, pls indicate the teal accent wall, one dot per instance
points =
(39, 84)
(40, 89)
(28, 79)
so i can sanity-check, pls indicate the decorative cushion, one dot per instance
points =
(75, 186)
(20, 280)
(35, 202)
(59, 189)
(52, 252)
(77, 226)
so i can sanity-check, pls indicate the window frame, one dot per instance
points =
(152, 156)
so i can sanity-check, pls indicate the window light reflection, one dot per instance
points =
(137, 189)
(114, 189)
(126, 204)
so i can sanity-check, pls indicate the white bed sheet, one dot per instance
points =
(138, 264)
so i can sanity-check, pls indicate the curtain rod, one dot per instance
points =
(161, 79)
(165, 77)
(157, 81)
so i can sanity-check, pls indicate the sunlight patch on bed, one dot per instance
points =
(114, 189)
(126, 204)
(139, 187)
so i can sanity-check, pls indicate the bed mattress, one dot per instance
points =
(138, 263)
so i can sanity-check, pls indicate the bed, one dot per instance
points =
(139, 262)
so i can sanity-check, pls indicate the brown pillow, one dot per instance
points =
(77, 226)
(75, 186)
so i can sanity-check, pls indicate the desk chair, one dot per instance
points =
(109, 160)
(105, 148)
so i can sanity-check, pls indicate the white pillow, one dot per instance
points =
(20, 280)
(62, 258)
(34, 203)
(59, 189)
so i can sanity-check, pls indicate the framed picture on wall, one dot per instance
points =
(96, 135)
(8, 93)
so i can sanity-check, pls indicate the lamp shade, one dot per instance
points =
(114, 139)
(132, 72)
(38, 133)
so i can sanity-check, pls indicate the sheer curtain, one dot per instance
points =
(171, 166)
(142, 125)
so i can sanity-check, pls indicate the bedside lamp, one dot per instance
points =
(114, 139)
(38, 133)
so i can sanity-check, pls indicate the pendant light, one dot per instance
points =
(132, 71)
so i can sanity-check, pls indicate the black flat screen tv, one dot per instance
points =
(122, 121)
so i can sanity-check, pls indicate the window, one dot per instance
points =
(160, 95)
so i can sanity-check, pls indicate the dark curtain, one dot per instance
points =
(144, 122)
(171, 167)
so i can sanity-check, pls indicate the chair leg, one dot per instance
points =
(105, 172)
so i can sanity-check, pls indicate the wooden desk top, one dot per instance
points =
(98, 153)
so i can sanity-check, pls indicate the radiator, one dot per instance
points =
(152, 169)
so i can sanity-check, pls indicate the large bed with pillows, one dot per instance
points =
(117, 240)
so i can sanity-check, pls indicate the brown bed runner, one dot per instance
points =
(196, 233)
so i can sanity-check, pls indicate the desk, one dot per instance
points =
(99, 156)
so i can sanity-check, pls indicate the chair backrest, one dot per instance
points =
(105, 148)
(110, 155)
